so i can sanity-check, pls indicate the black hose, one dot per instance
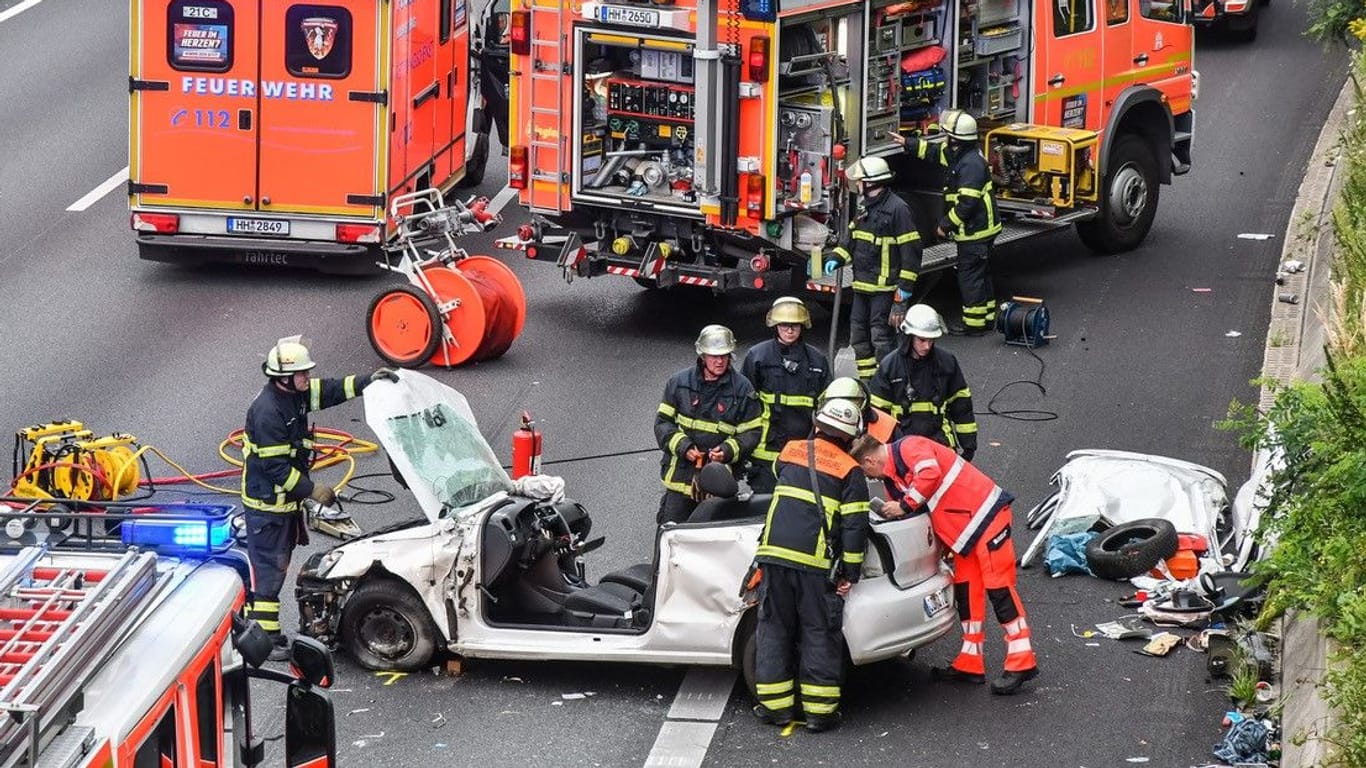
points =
(1022, 414)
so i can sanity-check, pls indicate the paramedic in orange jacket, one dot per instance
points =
(970, 514)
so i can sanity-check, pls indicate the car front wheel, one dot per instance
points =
(385, 626)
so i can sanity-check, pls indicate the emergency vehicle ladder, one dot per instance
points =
(547, 136)
(58, 622)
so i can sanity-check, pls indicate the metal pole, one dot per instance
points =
(706, 81)
(835, 318)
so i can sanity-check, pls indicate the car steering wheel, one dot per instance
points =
(553, 523)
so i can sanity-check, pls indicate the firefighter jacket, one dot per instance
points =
(961, 500)
(787, 379)
(970, 205)
(794, 534)
(927, 396)
(277, 445)
(883, 245)
(696, 413)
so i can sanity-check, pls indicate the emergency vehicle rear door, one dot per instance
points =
(1068, 79)
(192, 103)
(455, 65)
(323, 107)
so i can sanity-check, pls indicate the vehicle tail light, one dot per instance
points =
(517, 171)
(758, 59)
(519, 33)
(163, 223)
(358, 233)
(754, 195)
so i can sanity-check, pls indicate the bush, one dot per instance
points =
(1336, 21)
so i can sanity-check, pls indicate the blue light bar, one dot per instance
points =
(185, 531)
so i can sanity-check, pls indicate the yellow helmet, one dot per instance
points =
(788, 309)
(287, 357)
(715, 340)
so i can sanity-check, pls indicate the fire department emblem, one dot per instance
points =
(321, 33)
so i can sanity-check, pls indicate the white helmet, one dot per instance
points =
(715, 340)
(921, 320)
(869, 170)
(839, 417)
(958, 125)
(788, 309)
(288, 356)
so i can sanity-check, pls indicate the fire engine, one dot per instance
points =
(679, 142)
(274, 134)
(122, 644)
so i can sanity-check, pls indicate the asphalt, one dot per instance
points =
(1142, 362)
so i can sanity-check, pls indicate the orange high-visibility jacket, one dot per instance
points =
(961, 500)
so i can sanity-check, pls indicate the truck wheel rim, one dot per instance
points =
(387, 633)
(1128, 195)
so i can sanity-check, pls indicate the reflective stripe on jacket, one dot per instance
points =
(704, 414)
(961, 500)
(969, 202)
(883, 245)
(793, 534)
(277, 447)
(928, 397)
(787, 380)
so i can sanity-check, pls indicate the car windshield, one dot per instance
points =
(447, 455)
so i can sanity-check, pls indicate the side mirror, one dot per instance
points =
(313, 661)
(310, 727)
(251, 641)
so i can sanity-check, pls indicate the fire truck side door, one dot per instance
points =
(452, 123)
(1162, 43)
(321, 111)
(1068, 78)
(193, 103)
(1122, 61)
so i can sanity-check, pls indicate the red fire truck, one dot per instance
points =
(678, 142)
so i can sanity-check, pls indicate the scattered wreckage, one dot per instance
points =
(496, 569)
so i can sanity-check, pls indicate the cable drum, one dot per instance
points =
(1023, 322)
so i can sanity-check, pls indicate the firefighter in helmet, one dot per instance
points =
(876, 422)
(970, 215)
(709, 413)
(277, 450)
(787, 373)
(811, 552)
(923, 387)
(883, 245)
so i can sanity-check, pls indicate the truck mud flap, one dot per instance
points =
(329, 258)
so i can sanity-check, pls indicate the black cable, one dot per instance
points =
(1022, 414)
(362, 495)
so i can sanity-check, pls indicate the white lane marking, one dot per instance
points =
(18, 9)
(697, 707)
(501, 199)
(95, 194)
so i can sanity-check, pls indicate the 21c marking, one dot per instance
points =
(201, 118)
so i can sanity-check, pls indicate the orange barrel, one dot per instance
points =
(488, 313)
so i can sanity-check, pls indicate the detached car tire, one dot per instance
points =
(1132, 549)
(385, 626)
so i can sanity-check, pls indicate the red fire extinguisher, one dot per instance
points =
(526, 449)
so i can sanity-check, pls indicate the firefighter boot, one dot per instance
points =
(819, 723)
(772, 717)
(1010, 682)
(955, 675)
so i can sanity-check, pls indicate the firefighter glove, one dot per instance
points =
(323, 494)
(967, 455)
(384, 373)
(831, 265)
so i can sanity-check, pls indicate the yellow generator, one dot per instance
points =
(65, 460)
(1052, 170)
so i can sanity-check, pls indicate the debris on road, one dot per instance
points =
(577, 696)
(1254, 236)
(512, 679)
(357, 711)
(1288, 298)
(1162, 644)
(1292, 266)
(1233, 334)
(1125, 628)
(438, 720)
(1135, 759)
(1201, 290)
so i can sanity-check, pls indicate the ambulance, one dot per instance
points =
(124, 644)
(678, 142)
(273, 134)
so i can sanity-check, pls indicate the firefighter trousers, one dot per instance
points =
(988, 573)
(801, 619)
(674, 507)
(974, 283)
(869, 334)
(271, 539)
(761, 478)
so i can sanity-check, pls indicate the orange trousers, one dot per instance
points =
(988, 572)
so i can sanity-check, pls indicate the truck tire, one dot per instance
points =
(1128, 199)
(385, 626)
(1132, 549)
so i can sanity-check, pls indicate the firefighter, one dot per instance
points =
(970, 515)
(810, 555)
(277, 450)
(787, 373)
(709, 412)
(876, 421)
(923, 387)
(970, 219)
(883, 245)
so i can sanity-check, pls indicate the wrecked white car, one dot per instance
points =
(490, 574)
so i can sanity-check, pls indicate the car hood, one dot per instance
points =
(433, 440)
